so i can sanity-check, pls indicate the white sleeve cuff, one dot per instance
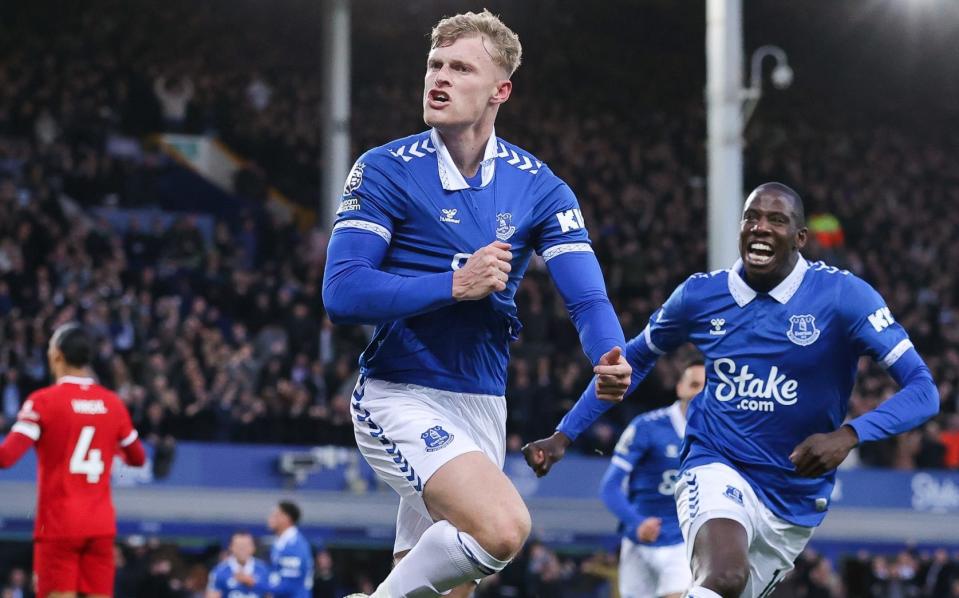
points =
(898, 351)
(130, 439)
(649, 342)
(556, 250)
(28, 429)
(377, 229)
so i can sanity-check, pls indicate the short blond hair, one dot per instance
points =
(506, 51)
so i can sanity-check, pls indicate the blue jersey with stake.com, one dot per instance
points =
(780, 366)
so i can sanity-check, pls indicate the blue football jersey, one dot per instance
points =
(780, 366)
(649, 451)
(222, 579)
(410, 194)
(291, 560)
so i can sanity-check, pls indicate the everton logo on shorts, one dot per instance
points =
(355, 179)
(436, 438)
(504, 226)
(802, 330)
(734, 494)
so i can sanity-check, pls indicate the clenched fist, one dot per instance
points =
(542, 454)
(822, 453)
(485, 272)
(648, 531)
(613, 374)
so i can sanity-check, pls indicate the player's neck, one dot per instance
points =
(467, 146)
(73, 373)
(280, 532)
(768, 282)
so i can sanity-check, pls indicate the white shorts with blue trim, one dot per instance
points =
(717, 491)
(650, 571)
(407, 432)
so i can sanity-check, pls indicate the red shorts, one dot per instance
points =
(83, 565)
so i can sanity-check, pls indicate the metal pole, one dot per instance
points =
(336, 117)
(724, 59)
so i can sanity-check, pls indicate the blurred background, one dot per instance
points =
(163, 179)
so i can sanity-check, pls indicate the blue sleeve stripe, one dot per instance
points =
(649, 342)
(622, 463)
(372, 227)
(898, 351)
(566, 248)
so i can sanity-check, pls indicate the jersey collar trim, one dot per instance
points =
(784, 291)
(677, 419)
(450, 176)
(286, 537)
(79, 380)
(235, 565)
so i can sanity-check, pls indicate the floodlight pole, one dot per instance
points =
(729, 108)
(336, 107)
(724, 59)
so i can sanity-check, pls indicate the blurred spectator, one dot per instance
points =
(18, 584)
(174, 95)
(325, 584)
(950, 441)
(11, 395)
(938, 574)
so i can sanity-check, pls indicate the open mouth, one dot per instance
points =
(759, 253)
(438, 98)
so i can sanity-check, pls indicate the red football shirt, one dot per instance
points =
(78, 426)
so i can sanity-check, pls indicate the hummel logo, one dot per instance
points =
(449, 216)
(718, 324)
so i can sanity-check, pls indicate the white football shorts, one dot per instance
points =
(407, 432)
(651, 571)
(717, 491)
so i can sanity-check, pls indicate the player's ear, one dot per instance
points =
(504, 87)
(801, 237)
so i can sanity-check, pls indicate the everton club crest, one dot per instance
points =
(504, 226)
(436, 438)
(802, 330)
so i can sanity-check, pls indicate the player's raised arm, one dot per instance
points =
(666, 331)
(875, 332)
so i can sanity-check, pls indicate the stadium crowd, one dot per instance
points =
(219, 334)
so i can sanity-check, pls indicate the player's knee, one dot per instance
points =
(729, 581)
(504, 534)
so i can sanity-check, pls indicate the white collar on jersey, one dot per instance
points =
(743, 293)
(236, 566)
(450, 176)
(677, 419)
(79, 380)
(286, 537)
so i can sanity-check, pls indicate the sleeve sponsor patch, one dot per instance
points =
(354, 179)
(349, 204)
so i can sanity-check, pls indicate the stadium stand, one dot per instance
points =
(211, 326)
